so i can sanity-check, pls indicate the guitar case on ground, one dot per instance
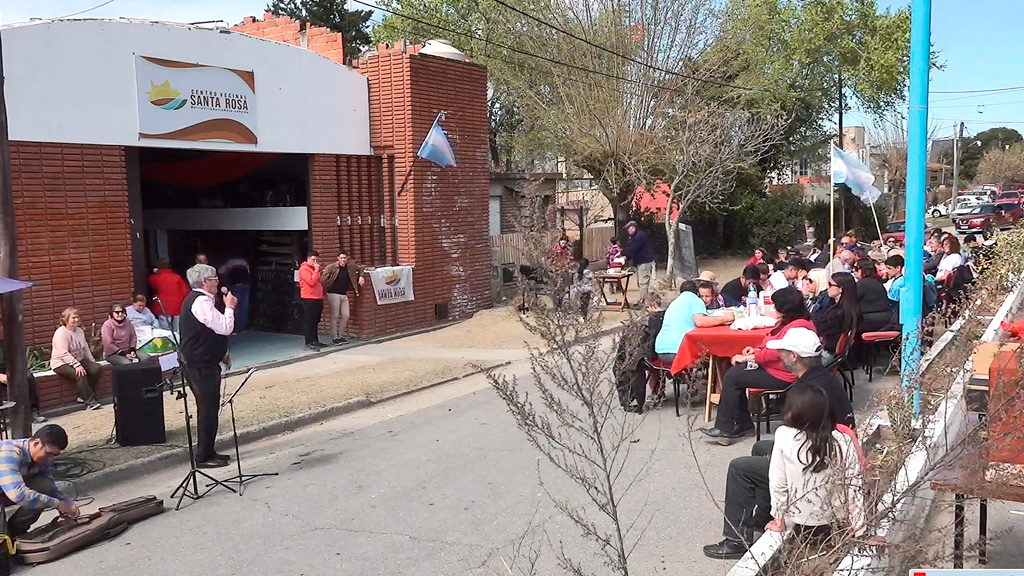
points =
(63, 536)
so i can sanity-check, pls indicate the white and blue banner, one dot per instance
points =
(848, 169)
(436, 148)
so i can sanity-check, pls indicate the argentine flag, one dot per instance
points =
(848, 169)
(436, 148)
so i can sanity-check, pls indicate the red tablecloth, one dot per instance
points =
(717, 341)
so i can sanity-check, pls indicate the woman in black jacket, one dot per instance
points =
(841, 314)
(875, 310)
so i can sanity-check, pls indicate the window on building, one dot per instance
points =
(803, 167)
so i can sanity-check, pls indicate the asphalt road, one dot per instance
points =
(439, 482)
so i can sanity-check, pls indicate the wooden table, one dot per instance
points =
(620, 280)
(720, 343)
(965, 477)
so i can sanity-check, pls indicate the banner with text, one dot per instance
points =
(392, 284)
(194, 102)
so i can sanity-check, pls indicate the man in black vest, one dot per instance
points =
(204, 344)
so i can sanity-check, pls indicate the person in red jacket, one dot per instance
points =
(759, 367)
(311, 291)
(169, 291)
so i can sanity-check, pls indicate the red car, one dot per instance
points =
(896, 229)
(987, 218)
(1009, 196)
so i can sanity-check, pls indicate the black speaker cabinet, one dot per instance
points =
(139, 404)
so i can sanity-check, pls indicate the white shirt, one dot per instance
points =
(814, 498)
(778, 280)
(950, 262)
(204, 310)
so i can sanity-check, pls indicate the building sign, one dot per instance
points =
(194, 102)
(392, 284)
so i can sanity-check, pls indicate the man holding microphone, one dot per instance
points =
(204, 345)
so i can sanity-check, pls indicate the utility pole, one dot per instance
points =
(10, 303)
(958, 133)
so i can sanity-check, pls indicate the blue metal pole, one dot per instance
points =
(917, 144)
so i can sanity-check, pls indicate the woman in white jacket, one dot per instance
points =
(814, 476)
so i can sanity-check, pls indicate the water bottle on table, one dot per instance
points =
(751, 300)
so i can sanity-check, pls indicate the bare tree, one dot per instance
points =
(1002, 165)
(700, 154)
(888, 136)
(606, 87)
(570, 409)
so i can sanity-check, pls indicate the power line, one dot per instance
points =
(976, 91)
(512, 48)
(975, 96)
(566, 64)
(96, 7)
(630, 58)
(976, 105)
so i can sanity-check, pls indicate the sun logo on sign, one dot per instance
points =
(163, 96)
(391, 278)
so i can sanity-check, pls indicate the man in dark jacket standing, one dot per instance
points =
(640, 251)
(338, 278)
(204, 344)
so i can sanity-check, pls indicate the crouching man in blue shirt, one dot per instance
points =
(26, 478)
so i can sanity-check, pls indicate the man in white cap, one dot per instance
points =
(747, 496)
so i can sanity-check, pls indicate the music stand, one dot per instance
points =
(240, 478)
(192, 493)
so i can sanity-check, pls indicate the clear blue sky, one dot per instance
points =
(979, 41)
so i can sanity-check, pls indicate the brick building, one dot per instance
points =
(285, 149)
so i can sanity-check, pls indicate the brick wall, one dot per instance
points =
(285, 30)
(71, 213)
(442, 214)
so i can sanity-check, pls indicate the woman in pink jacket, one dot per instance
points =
(72, 360)
(757, 368)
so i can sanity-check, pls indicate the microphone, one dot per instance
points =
(224, 290)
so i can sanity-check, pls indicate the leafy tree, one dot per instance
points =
(972, 150)
(776, 220)
(812, 57)
(1001, 165)
(333, 15)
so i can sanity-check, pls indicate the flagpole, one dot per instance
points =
(832, 205)
(408, 173)
(877, 225)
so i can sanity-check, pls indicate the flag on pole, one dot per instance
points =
(848, 169)
(436, 148)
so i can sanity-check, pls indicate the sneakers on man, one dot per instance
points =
(80, 400)
(38, 418)
(93, 405)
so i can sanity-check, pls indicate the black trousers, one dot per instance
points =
(733, 411)
(312, 311)
(204, 380)
(748, 502)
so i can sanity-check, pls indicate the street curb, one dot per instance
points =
(143, 466)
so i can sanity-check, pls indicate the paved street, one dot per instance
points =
(437, 483)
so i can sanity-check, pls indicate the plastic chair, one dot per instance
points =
(761, 407)
(871, 342)
(663, 370)
(840, 366)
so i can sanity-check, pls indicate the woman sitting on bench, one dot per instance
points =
(72, 360)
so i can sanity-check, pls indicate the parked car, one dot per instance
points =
(987, 218)
(1009, 196)
(964, 205)
(940, 209)
(896, 229)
